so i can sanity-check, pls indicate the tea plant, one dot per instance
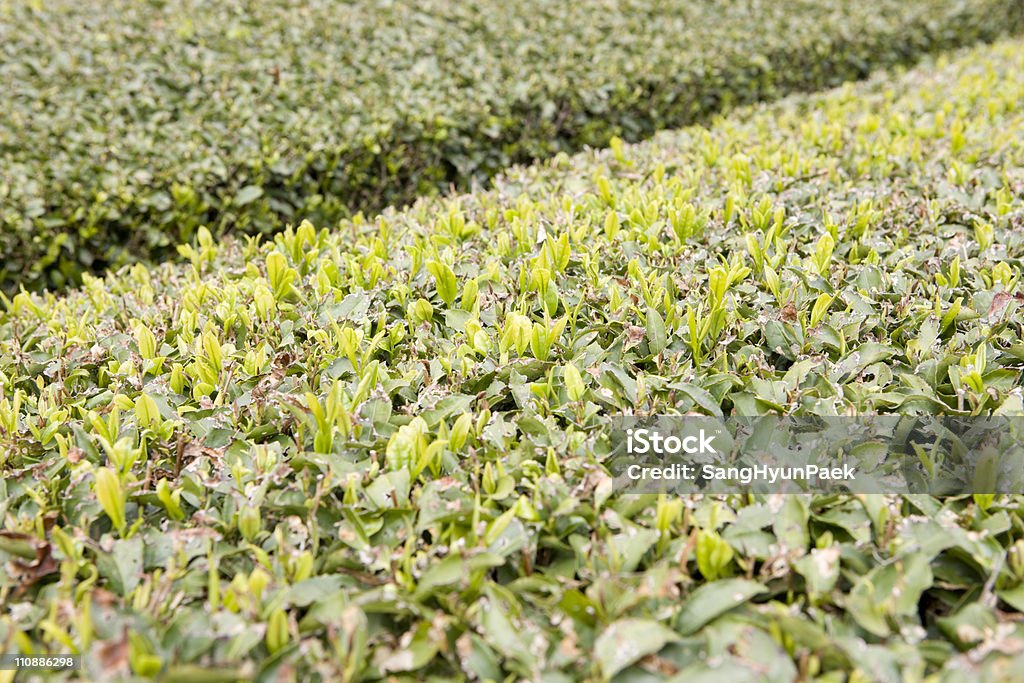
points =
(129, 126)
(381, 451)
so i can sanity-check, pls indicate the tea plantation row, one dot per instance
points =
(127, 125)
(379, 451)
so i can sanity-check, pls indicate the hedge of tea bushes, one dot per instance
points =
(128, 125)
(380, 451)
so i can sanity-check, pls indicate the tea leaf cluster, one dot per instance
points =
(380, 451)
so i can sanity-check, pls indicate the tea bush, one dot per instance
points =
(128, 125)
(379, 451)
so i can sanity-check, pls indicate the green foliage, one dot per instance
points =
(331, 455)
(128, 127)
